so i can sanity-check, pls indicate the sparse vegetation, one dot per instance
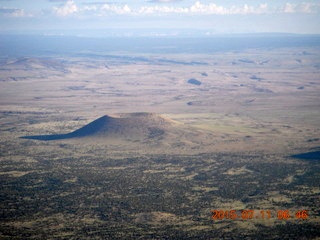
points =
(226, 146)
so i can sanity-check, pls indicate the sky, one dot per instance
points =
(159, 17)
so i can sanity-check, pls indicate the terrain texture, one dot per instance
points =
(125, 146)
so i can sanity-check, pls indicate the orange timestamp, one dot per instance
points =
(258, 214)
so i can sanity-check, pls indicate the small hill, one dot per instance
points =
(132, 126)
(194, 81)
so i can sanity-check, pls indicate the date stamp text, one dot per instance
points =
(258, 214)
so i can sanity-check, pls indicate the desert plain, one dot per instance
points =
(223, 142)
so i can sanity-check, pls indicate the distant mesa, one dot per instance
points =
(204, 74)
(262, 90)
(254, 77)
(244, 60)
(194, 81)
(194, 103)
(134, 126)
(313, 140)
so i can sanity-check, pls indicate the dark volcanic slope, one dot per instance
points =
(126, 126)
(308, 156)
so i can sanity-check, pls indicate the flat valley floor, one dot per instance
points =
(253, 111)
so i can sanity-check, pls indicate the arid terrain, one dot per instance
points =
(144, 146)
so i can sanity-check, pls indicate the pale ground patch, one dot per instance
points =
(277, 197)
(205, 189)
(71, 180)
(16, 173)
(238, 171)
(155, 218)
(227, 205)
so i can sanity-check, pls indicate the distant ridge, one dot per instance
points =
(134, 126)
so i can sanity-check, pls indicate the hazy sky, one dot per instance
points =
(211, 16)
